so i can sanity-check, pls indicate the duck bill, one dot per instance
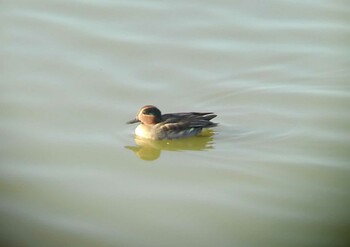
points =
(135, 120)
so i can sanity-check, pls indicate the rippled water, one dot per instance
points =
(275, 172)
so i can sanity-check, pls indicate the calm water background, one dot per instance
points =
(276, 172)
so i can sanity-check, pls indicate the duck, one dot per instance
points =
(157, 126)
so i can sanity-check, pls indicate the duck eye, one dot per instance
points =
(148, 112)
(145, 112)
(151, 111)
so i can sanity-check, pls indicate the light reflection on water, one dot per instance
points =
(275, 172)
(151, 150)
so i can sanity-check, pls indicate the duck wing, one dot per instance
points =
(178, 125)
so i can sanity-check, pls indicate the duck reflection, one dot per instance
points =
(147, 149)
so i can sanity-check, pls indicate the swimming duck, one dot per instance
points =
(156, 126)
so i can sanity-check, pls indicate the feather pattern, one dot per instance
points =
(171, 125)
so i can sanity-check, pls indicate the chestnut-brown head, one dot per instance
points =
(148, 115)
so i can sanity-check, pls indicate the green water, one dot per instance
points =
(275, 172)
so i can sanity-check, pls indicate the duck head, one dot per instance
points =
(148, 115)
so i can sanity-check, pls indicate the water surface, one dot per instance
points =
(275, 172)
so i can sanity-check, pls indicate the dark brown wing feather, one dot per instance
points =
(184, 124)
(189, 119)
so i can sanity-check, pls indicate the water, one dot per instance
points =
(274, 173)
